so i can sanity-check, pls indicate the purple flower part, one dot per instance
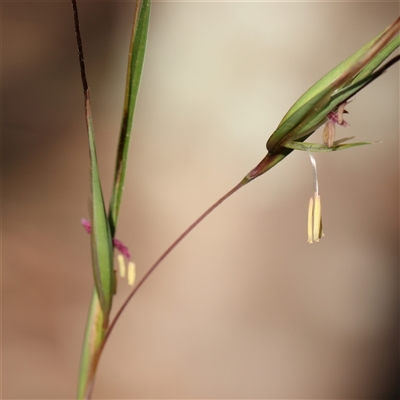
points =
(86, 225)
(337, 116)
(333, 116)
(122, 248)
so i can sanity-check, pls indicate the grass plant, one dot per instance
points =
(322, 104)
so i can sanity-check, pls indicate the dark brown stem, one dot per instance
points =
(80, 48)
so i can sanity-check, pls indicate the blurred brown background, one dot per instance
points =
(244, 307)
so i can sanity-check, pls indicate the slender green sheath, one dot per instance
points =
(101, 243)
(135, 66)
(102, 249)
(96, 323)
(101, 301)
(364, 78)
(94, 334)
(346, 65)
(336, 99)
(383, 55)
(102, 261)
(322, 148)
(311, 109)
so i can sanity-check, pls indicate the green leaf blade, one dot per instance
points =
(311, 109)
(94, 333)
(101, 242)
(322, 148)
(135, 67)
(346, 65)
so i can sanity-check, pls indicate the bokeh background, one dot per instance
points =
(244, 307)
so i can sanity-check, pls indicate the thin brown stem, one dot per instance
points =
(166, 252)
(149, 272)
(266, 164)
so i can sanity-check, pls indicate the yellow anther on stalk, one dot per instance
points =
(121, 265)
(314, 219)
(314, 226)
(329, 133)
(131, 273)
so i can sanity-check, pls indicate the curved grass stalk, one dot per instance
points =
(372, 54)
(266, 164)
(310, 110)
(103, 227)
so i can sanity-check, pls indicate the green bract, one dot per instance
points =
(311, 109)
(102, 248)
(135, 66)
(103, 225)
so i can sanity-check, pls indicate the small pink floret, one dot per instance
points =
(337, 116)
(86, 224)
(333, 116)
(123, 249)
